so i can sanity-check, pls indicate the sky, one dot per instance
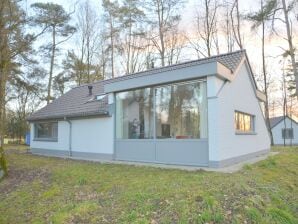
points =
(252, 40)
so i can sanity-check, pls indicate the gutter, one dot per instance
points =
(70, 136)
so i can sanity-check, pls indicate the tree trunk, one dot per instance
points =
(291, 48)
(4, 71)
(112, 46)
(161, 32)
(88, 58)
(52, 65)
(238, 25)
(265, 80)
(208, 41)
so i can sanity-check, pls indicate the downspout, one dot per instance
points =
(70, 136)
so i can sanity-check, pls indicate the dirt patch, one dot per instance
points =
(16, 151)
(18, 177)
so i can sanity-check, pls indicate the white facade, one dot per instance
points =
(277, 132)
(224, 98)
(93, 135)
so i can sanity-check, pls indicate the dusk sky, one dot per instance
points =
(252, 39)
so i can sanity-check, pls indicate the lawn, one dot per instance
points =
(51, 190)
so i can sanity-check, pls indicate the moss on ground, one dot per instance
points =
(50, 190)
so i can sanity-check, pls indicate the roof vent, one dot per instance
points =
(90, 90)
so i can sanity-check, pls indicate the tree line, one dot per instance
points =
(124, 37)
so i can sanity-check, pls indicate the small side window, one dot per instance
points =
(46, 131)
(287, 133)
(244, 123)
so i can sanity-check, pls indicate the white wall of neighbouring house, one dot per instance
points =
(94, 135)
(60, 144)
(227, 97)
(277, 132)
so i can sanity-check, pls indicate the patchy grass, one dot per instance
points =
(50, 190)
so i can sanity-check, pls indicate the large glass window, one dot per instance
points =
(176, 111)
(244, 122)
(181, 111)
(46, 130)
(134, 114)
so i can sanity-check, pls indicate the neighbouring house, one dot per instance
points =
(205, 112)
(284, 130)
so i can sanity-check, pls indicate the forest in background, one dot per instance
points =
(46, 48)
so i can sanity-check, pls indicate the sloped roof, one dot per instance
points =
(276, 120)
(76, 102)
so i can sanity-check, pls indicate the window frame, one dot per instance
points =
(48, 139)
(252, 131)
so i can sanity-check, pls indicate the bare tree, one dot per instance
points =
(111, 15)
(236, 24)
(206, 21)
(164, 18)
(228, 26)
(174, 46)
(259, 18)
(291, 51)
(87, 24)
(132, 34)
(272, 13)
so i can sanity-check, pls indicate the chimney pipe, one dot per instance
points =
(90, 90)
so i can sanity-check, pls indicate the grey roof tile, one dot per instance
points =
(275, 120)
(75, 103)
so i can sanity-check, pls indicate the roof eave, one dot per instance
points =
(223, 72)
(261, 96)
(73, 116)
(178, 74)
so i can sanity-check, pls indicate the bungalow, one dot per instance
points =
(205, 112)
(284, 130)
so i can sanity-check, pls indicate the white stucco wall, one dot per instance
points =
(223, 100)
(277, 132)
(93, 135)
(88, 135)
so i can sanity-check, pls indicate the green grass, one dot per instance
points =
(50, 190)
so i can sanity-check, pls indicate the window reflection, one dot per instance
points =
(181, 111)
(134, 114)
